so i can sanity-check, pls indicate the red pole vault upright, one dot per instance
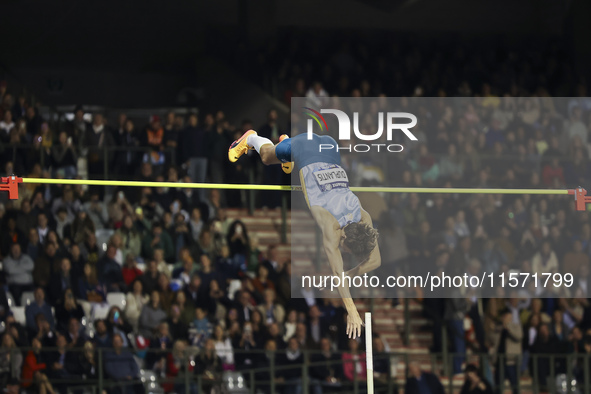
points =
(10, 185)
(581, 198)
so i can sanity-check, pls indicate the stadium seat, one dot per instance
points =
(103, 236)
(100, 311)
(234, 383)
(10, 299)
(19, 314)
(116, 299)
(27, 297)
(149, 378)
(234, 286)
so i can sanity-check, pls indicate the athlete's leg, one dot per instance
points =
(270, 153)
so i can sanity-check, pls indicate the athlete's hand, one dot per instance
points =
(354, 324)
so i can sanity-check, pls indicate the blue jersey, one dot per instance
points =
(325, 183)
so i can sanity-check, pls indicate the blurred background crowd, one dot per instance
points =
(137, 270)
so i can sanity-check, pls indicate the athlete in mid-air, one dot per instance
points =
(344, 223)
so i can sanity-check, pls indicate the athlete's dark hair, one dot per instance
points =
(360, 239)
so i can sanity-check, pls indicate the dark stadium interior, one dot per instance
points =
(176, 290)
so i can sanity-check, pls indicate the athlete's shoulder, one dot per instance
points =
(323, 217)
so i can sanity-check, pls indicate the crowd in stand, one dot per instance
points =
(173, 252)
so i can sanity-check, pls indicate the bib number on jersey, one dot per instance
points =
(331, 178)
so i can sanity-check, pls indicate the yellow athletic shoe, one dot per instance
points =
(240, 147)
(286, 167)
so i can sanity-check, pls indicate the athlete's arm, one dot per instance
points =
(374, 260)
(331, 238)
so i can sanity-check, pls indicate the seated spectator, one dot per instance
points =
(244, 341)
(120, 366)
(34, 247)
(75, 334)
(175, 369)
(150, 277)
(19, 272)
(89, 287)
(157, 239)
(36, 307)
(327, 370)
(290, 325)
(165, 290)
(559, 328)
(262, 282)
(219, 301)
(316, 328)
(109, 271)
(135, 302)
(510, 347)
(209, 366)
(160, 342)
(179, 330)
(33, 370)
(187, 266)
(90, 250)
(67, 309)
(17, 331)
(381, 363)
(293, 357)
(202, 327)
(96, 212)
(11, 359)
(223, 347)
(161, 263)
(151, 315)
(131, 242)
(56, 362)
(60, 281)
(274, 333)
(83, 365)
(421, 382)
(196, 294)
(117, 325)
(12, 234)
(354, 363)
(186, 309)
(118, 208)
(475, 383)
(130, 270)
(102, 337)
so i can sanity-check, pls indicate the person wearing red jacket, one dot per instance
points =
(32, 370)
(175, 369)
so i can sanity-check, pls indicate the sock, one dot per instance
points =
(256, 142)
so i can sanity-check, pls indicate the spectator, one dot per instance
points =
(60, 281)
(421, 382)
(83, 365)
(96, 212)
(67, 309)
(160, 343)
(290, 362)
(39, 306)
(75, 333)
(130, 271)
(56, 362)
(95, 138)
(179, 330)
(11, 359)
(150, 277)
(19, 269)
(11, 236)
(223, 347)
(202, 327)
(117, 325)
(121, 367)
(475, 383)
(326, 370)
(130, 238)
(103, 337)
(193, 148)
(151, 315)
(157, 239)
(510, 349)
(64, 157)
(33, 370)
(118, 208)
(89, 287)
(354, 367)
(209, 366)
(109, 272)
(135, 302)
(175, 369)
